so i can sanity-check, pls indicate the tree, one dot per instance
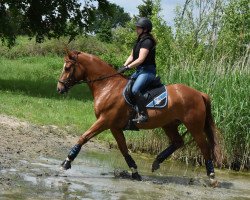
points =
(125, 37)
(146, 9)
(104, 32)
(45, 18)
(197, 25)
(164, 37)
(213, 29)
(235, 30)
(106, 20)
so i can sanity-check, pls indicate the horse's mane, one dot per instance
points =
(73, 55)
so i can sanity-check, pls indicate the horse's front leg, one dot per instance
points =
(96, 128)
(121, 141)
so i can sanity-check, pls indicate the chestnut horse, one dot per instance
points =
(185, 106)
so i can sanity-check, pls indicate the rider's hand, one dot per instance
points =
(123, 69)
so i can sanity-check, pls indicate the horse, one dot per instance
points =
(186, 106)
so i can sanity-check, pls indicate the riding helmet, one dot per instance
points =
(144, 23)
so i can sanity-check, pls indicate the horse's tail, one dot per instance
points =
(211, 132)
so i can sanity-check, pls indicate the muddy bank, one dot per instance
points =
(25, 141)
(31, 156)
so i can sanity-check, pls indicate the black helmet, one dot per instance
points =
(144, 23)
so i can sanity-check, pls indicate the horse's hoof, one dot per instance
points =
(122, 174)
(155, 165)
(136, 176)
(214, 183)
(66, 164)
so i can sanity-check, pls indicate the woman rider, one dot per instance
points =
(142, 58)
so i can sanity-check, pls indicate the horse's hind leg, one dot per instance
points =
(176, 141)
(121, 141)
(196, 129)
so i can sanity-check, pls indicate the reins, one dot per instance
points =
(70, 81)
(98, 79)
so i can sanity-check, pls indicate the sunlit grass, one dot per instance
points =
(28, 91)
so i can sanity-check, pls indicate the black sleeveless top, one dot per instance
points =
(146, 42)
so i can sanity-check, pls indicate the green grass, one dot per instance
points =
(25, 47)
(28, 91)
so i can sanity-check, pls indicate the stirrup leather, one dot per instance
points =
(141, 118)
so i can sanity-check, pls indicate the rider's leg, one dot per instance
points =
(141, 83)
(141, 106)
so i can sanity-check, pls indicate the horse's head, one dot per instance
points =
(71, 73)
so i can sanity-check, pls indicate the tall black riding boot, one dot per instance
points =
(142, 111)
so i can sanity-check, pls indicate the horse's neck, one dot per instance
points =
(97, 71)
(95, 67)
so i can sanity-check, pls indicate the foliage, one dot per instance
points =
(105, 20)
(204, 28)
(45, 18)
(164, 37)
(235, 30)
(196, 26)
(146, 9)
(125, 36)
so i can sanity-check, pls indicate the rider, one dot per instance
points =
(142, 58)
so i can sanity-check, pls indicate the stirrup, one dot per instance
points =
(140, 119)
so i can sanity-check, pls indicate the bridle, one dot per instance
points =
(71, 80)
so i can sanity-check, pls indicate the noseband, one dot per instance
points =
(71, 80)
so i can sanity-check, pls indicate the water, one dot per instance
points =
(92, 177)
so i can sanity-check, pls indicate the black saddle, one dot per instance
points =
(155, 95)
(155, 88)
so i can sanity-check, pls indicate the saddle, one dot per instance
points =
(156, 97)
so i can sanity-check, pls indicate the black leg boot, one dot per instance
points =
(142, 111)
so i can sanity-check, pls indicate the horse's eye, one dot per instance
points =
(66, 69)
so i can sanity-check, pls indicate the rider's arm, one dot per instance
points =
(142, 56)
(129, 60)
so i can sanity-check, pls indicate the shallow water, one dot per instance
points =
(92, 177)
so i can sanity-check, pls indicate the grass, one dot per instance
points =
(28, 91)
(25, 47)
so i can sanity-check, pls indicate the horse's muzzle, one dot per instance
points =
(61, 89)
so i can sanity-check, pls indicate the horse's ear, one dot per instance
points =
(73, 55)
(67, 51)
(69, 54)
